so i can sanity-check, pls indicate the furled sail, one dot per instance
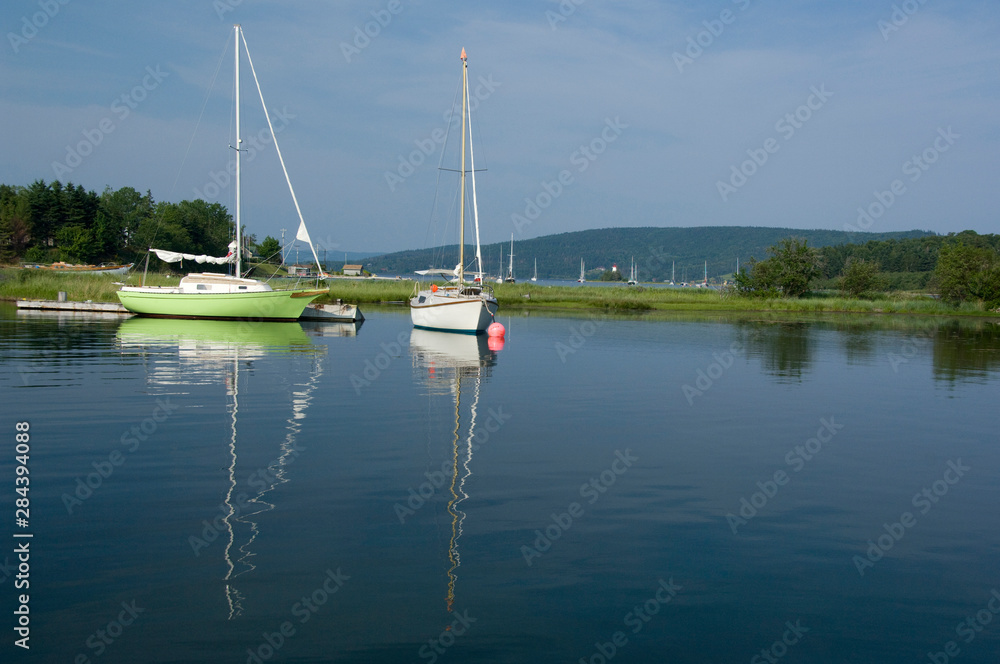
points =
(176, 257)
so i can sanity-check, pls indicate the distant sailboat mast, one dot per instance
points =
(510, 270)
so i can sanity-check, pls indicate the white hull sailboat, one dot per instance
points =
(535, 277)
(582, 278)
(453, 309)
(463, 308)
(220, 296)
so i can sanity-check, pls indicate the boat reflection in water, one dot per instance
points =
(335, 329)
(446, 363)
(215, 351)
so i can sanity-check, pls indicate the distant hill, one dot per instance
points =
(655, 250)
(336, 258)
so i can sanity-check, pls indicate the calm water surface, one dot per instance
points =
(687, 489)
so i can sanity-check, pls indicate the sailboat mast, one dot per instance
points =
(461, 234)
(239, 236)
(475, 206)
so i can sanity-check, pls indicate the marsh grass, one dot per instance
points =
(639, 299)
(16, 283)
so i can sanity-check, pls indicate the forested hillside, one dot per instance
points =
(655, 250)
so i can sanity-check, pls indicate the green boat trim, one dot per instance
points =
(247, 305)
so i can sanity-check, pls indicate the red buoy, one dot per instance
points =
(496, 330)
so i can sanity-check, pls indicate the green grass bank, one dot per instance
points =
(639, 299)
(26, 284)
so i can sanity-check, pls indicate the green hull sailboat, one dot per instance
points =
(186, 301)
(220, 296)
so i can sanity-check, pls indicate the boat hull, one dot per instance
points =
(63, 268)
(334, 313)
(267, 305)
(465, 315)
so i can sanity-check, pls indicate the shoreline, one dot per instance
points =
(16, 285)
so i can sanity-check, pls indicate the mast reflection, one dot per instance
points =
(446, 361)
(209, 352)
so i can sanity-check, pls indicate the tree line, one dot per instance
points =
(961, 267)
(48, 222)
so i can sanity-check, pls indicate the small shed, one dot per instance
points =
(353, 270)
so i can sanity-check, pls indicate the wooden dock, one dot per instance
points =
(57, 305)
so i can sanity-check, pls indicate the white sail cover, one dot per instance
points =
(176, 257)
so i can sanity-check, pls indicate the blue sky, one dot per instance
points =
(725, 112)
